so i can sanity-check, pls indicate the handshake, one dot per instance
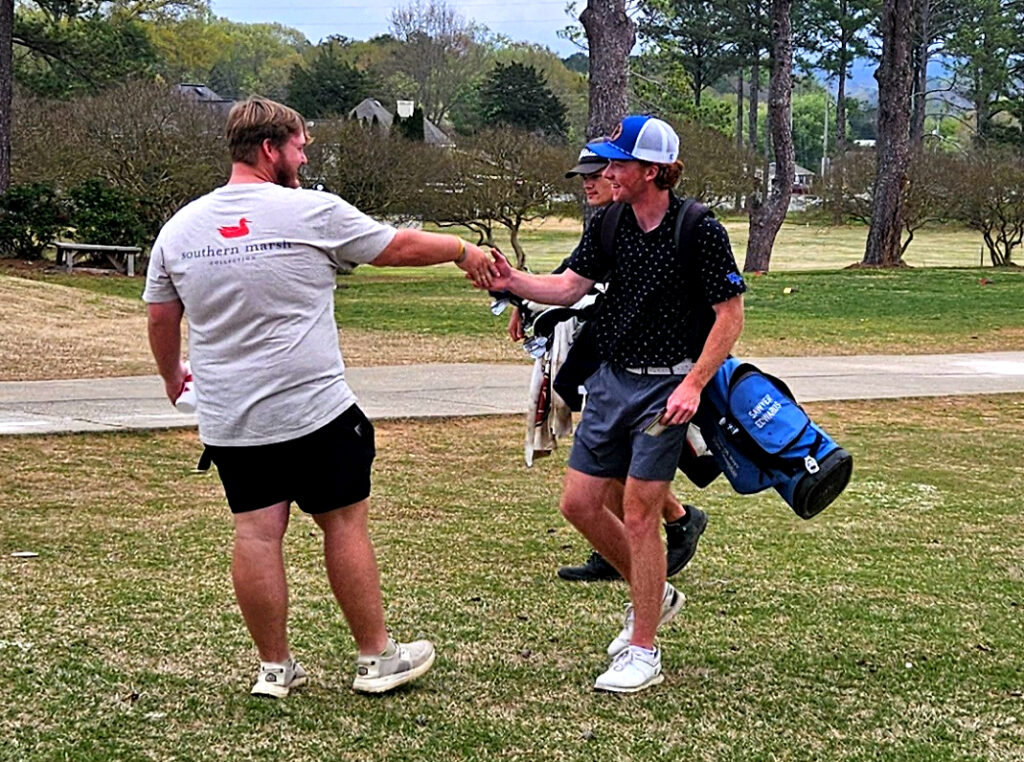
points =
(488, 271)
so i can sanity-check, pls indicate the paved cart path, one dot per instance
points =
(431, 391)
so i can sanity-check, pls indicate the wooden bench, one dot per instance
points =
(121, 257)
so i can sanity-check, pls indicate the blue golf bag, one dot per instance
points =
(760, 437)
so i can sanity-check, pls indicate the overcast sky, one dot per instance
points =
(536, 21)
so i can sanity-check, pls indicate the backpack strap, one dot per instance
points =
(610, 226)
(689, 217)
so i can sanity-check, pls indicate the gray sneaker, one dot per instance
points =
(399, 664)
(277, 680)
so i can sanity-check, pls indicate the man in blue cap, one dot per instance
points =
(667, 322)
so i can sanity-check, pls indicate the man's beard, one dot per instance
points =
(286, 176)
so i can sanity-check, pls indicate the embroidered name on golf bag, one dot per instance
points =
(760, 437)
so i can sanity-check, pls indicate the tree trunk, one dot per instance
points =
(610, 37)
(738, 201)
(766, 220)
(739, 109)
(755, 85)
(517, 247)
(840, 148)
(920, 53)
(893, 144)
(6, 90)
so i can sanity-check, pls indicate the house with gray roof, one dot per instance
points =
(371, 111)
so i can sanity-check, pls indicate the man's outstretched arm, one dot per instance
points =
(411, 248)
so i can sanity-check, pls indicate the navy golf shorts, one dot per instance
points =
(610, 441)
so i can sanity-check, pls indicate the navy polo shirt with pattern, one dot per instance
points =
(658, 307)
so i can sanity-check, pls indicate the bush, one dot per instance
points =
(31, 217)
(105, 215)
(143, 138)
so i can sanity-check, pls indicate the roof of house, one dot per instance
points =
(370, 108)
(799, 170)
(203, 94)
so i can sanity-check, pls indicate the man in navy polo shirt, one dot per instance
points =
(666, 324)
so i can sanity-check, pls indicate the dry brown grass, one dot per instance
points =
(53, 331)
(369, 348)
(57, 332)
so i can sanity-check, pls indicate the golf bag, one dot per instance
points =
(759, 437)
(553, 330)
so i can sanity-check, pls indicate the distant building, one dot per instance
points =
(206, 96)
(803, 179)
(371, 111)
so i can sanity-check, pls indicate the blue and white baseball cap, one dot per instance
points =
(640, 138)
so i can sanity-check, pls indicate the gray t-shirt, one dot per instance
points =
(255, 266)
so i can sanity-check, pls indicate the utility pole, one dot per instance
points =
(824, 142)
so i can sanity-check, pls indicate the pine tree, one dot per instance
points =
(518, 96)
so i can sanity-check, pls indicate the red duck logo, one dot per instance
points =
(235, 231)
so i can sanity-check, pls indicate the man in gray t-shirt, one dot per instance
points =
(252, 268)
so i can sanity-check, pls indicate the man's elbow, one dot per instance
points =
(163, 314)
(730, 314)
(396, 253)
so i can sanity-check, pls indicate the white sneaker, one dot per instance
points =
(671, 601)
(399, 664)
(276, 680)
(632, 670)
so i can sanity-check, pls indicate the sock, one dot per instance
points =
(680, 522)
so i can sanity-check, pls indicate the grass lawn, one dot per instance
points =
(842, 312)
(411, 315)
(799, 245)
(889, 627)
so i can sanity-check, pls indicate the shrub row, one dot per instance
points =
(33, 215)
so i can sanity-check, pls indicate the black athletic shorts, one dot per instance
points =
(324, 470)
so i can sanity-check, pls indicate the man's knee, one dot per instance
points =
(578, 510)
(642, 523)
(349, 518)
(643, 505)
(265, 525)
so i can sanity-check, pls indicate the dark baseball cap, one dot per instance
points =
(587, 163)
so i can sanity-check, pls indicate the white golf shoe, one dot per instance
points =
(632, 670)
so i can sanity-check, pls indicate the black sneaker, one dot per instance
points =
(682, 540)
(596, 568)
